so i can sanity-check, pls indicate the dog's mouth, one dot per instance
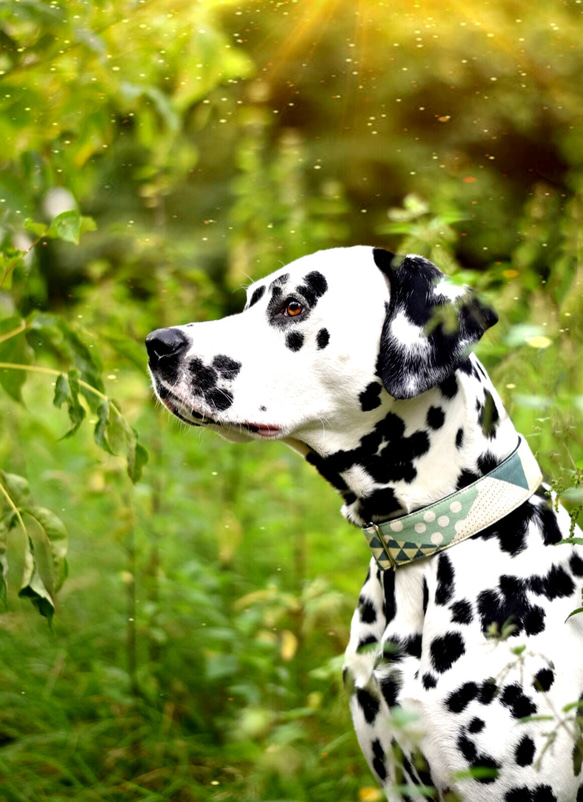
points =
(187, 413)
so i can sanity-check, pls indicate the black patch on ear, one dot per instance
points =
(448, 328)
(257, 295)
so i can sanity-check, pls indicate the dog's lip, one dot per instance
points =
(177, 407)
(263, 430)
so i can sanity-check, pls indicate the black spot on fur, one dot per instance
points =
(543, 679)
(458, 700)
(366, 644)
(524, 752)
(425, 595)
(488, 691)
(203, 377)
(389, 601)
(476, 725)
(429, 681)
(489, 417)
(510, 602)
(486, 463)
(367, 611)
(580, 794)
(445, 580)
(378, 762)
(414, 645)
(445, 650)
(511, 531)
(542, 793)
(219, 399)
(326, 470)
(459, 438)
(477, 760)
(576, 565)
(387, 455)
(322, 338)
(395, 648)
(228, 368)
(435, 417)
(294, 340)
(522, 794)
(467, 748)
(449, 386)
(380, 504)
(314, 286)
(556, 584)
(461, 612)
(368, 704)
(466, 478)
(257, 295)
(519, 704)
(390, 687)
(370, 398)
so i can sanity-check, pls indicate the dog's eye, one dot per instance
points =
(293, 309)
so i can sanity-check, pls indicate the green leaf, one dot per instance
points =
(13, 350)
(3, 562)
(84, 358)
(69, 226)
(137, 456)
(33, 587)
(67, 391)
(572, 541)
(17, 488)
(114, 435)
(572, 495)
(54, 534)
(100, 432)
(52, 334)
(575, 612)
(38, 229)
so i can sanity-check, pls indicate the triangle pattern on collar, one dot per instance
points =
(458, 516)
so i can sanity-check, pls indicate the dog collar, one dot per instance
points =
(458, 516)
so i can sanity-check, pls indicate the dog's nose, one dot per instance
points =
(165, 343)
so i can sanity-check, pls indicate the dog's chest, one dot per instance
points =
(459, 640)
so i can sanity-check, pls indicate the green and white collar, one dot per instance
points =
(458, 516)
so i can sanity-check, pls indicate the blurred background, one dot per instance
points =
(155, 158)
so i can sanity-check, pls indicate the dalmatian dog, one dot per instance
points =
(465, 663)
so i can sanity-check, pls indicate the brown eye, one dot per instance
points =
(293, 309)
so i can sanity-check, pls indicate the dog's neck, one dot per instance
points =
(408, 454)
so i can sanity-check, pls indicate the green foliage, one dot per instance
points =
(44, 544)
(155, 157)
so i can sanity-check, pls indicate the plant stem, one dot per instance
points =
(54, 372)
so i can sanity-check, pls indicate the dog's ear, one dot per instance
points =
(430, 325)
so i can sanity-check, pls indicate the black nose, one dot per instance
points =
(165, 344)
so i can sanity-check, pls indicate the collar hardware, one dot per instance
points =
(458, 516)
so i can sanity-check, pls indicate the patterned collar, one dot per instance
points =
(458, 516)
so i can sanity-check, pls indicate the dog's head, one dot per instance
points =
(320, 343)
